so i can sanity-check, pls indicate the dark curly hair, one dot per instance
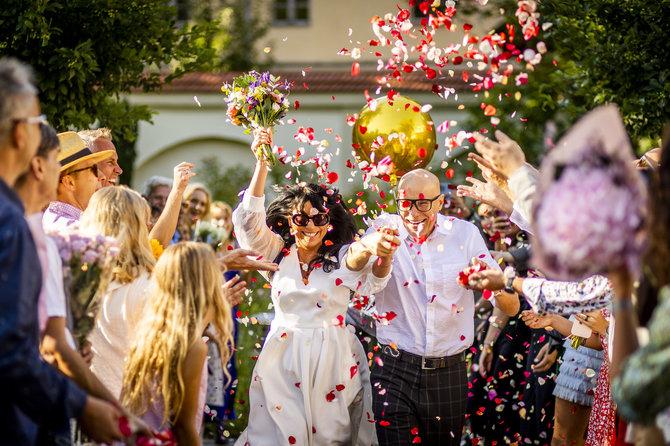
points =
(325, 200)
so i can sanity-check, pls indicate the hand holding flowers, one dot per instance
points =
(255, 101)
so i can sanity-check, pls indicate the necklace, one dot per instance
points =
(305, 269)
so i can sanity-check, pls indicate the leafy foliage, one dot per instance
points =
(600, 51)
(88, 53)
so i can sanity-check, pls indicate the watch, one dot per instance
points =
(510, 275)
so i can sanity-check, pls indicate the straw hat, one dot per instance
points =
(73, 151)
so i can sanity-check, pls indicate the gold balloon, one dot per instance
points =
(407, 134)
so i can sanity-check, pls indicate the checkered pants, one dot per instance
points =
(409, 402)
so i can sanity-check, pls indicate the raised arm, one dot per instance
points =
(166, 224)
(251, 230)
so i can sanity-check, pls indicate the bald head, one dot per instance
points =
(419, 201)
(418, 183)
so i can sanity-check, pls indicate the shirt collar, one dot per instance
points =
(65, 210)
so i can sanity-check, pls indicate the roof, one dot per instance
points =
(330, 81)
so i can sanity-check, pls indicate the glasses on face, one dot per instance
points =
(94, 169)
(303, 219)
(41, 120)
(421, 204)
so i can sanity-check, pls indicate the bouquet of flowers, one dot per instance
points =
(255, 101)
(590, 208)
(86, 262)
(206, 232)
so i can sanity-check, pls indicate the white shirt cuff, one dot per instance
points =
(253, 204)
(519, 219)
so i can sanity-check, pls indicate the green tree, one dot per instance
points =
(89, 53)
(600, 51)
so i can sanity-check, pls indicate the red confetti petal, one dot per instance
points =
(355, 69)
(332, 177)
(339, 387)
(384, 423)
(338, 282)
(330, 396)
(296, 105)
(291, 439)
(362, 129)
(450, 173)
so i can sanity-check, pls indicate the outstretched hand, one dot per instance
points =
(504, 155)
(487, 192)
(239, 259)
(533, 320)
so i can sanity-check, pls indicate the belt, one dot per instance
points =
(425, 362)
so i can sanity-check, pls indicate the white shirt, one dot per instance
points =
(53, 288)
(434, 314)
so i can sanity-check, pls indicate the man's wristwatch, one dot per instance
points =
(510, 275)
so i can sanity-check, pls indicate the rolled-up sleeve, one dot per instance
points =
(363, 282)
(549, 296)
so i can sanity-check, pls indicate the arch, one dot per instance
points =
(230, 152)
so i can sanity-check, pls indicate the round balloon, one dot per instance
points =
(396, 131)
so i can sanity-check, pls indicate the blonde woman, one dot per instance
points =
(121, 213)
(167, 361)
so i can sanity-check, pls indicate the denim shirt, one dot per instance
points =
(32, 392)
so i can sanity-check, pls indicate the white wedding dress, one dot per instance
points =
(311, 384)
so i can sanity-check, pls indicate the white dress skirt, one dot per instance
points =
(311, 384)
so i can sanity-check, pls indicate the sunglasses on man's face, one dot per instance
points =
(94, 169)
(303, 219)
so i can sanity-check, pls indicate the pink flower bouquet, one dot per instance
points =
(590, 206)
(86, 264)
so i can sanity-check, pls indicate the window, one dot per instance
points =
(290, 12)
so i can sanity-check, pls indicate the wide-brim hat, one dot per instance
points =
(73, 151)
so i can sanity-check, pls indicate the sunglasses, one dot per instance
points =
(303, 219)
(41, 120)
(93, 168)
(421, 204)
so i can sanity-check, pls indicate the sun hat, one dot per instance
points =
(73, 151)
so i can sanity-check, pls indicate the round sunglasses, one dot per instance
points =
(303, 219)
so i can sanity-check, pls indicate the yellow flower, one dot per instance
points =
(156, 248)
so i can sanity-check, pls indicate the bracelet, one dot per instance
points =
(622, 305)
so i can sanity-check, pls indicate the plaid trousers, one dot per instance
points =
(412, 405)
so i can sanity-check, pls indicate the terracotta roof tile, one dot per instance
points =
(317, 81)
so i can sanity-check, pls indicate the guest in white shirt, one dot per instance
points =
(421, 388)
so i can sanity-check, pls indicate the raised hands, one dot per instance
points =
(182, 174)
(505, 156)
(240, 259)
(487, 192)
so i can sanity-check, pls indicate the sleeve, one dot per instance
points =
(549, 296)
(251, 231)
(363, 282)
(518, 219)
(522, 184)
(53, 287)
(640, 390)
(26, 381)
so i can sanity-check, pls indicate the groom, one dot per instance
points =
(420, 391)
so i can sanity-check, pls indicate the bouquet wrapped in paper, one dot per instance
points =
(590, 208)
(255, 101)
(86, 265)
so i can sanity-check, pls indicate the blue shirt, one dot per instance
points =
(32, 392)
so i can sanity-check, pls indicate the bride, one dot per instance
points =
(311, 384)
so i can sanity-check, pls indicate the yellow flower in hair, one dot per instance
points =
(156, 248)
